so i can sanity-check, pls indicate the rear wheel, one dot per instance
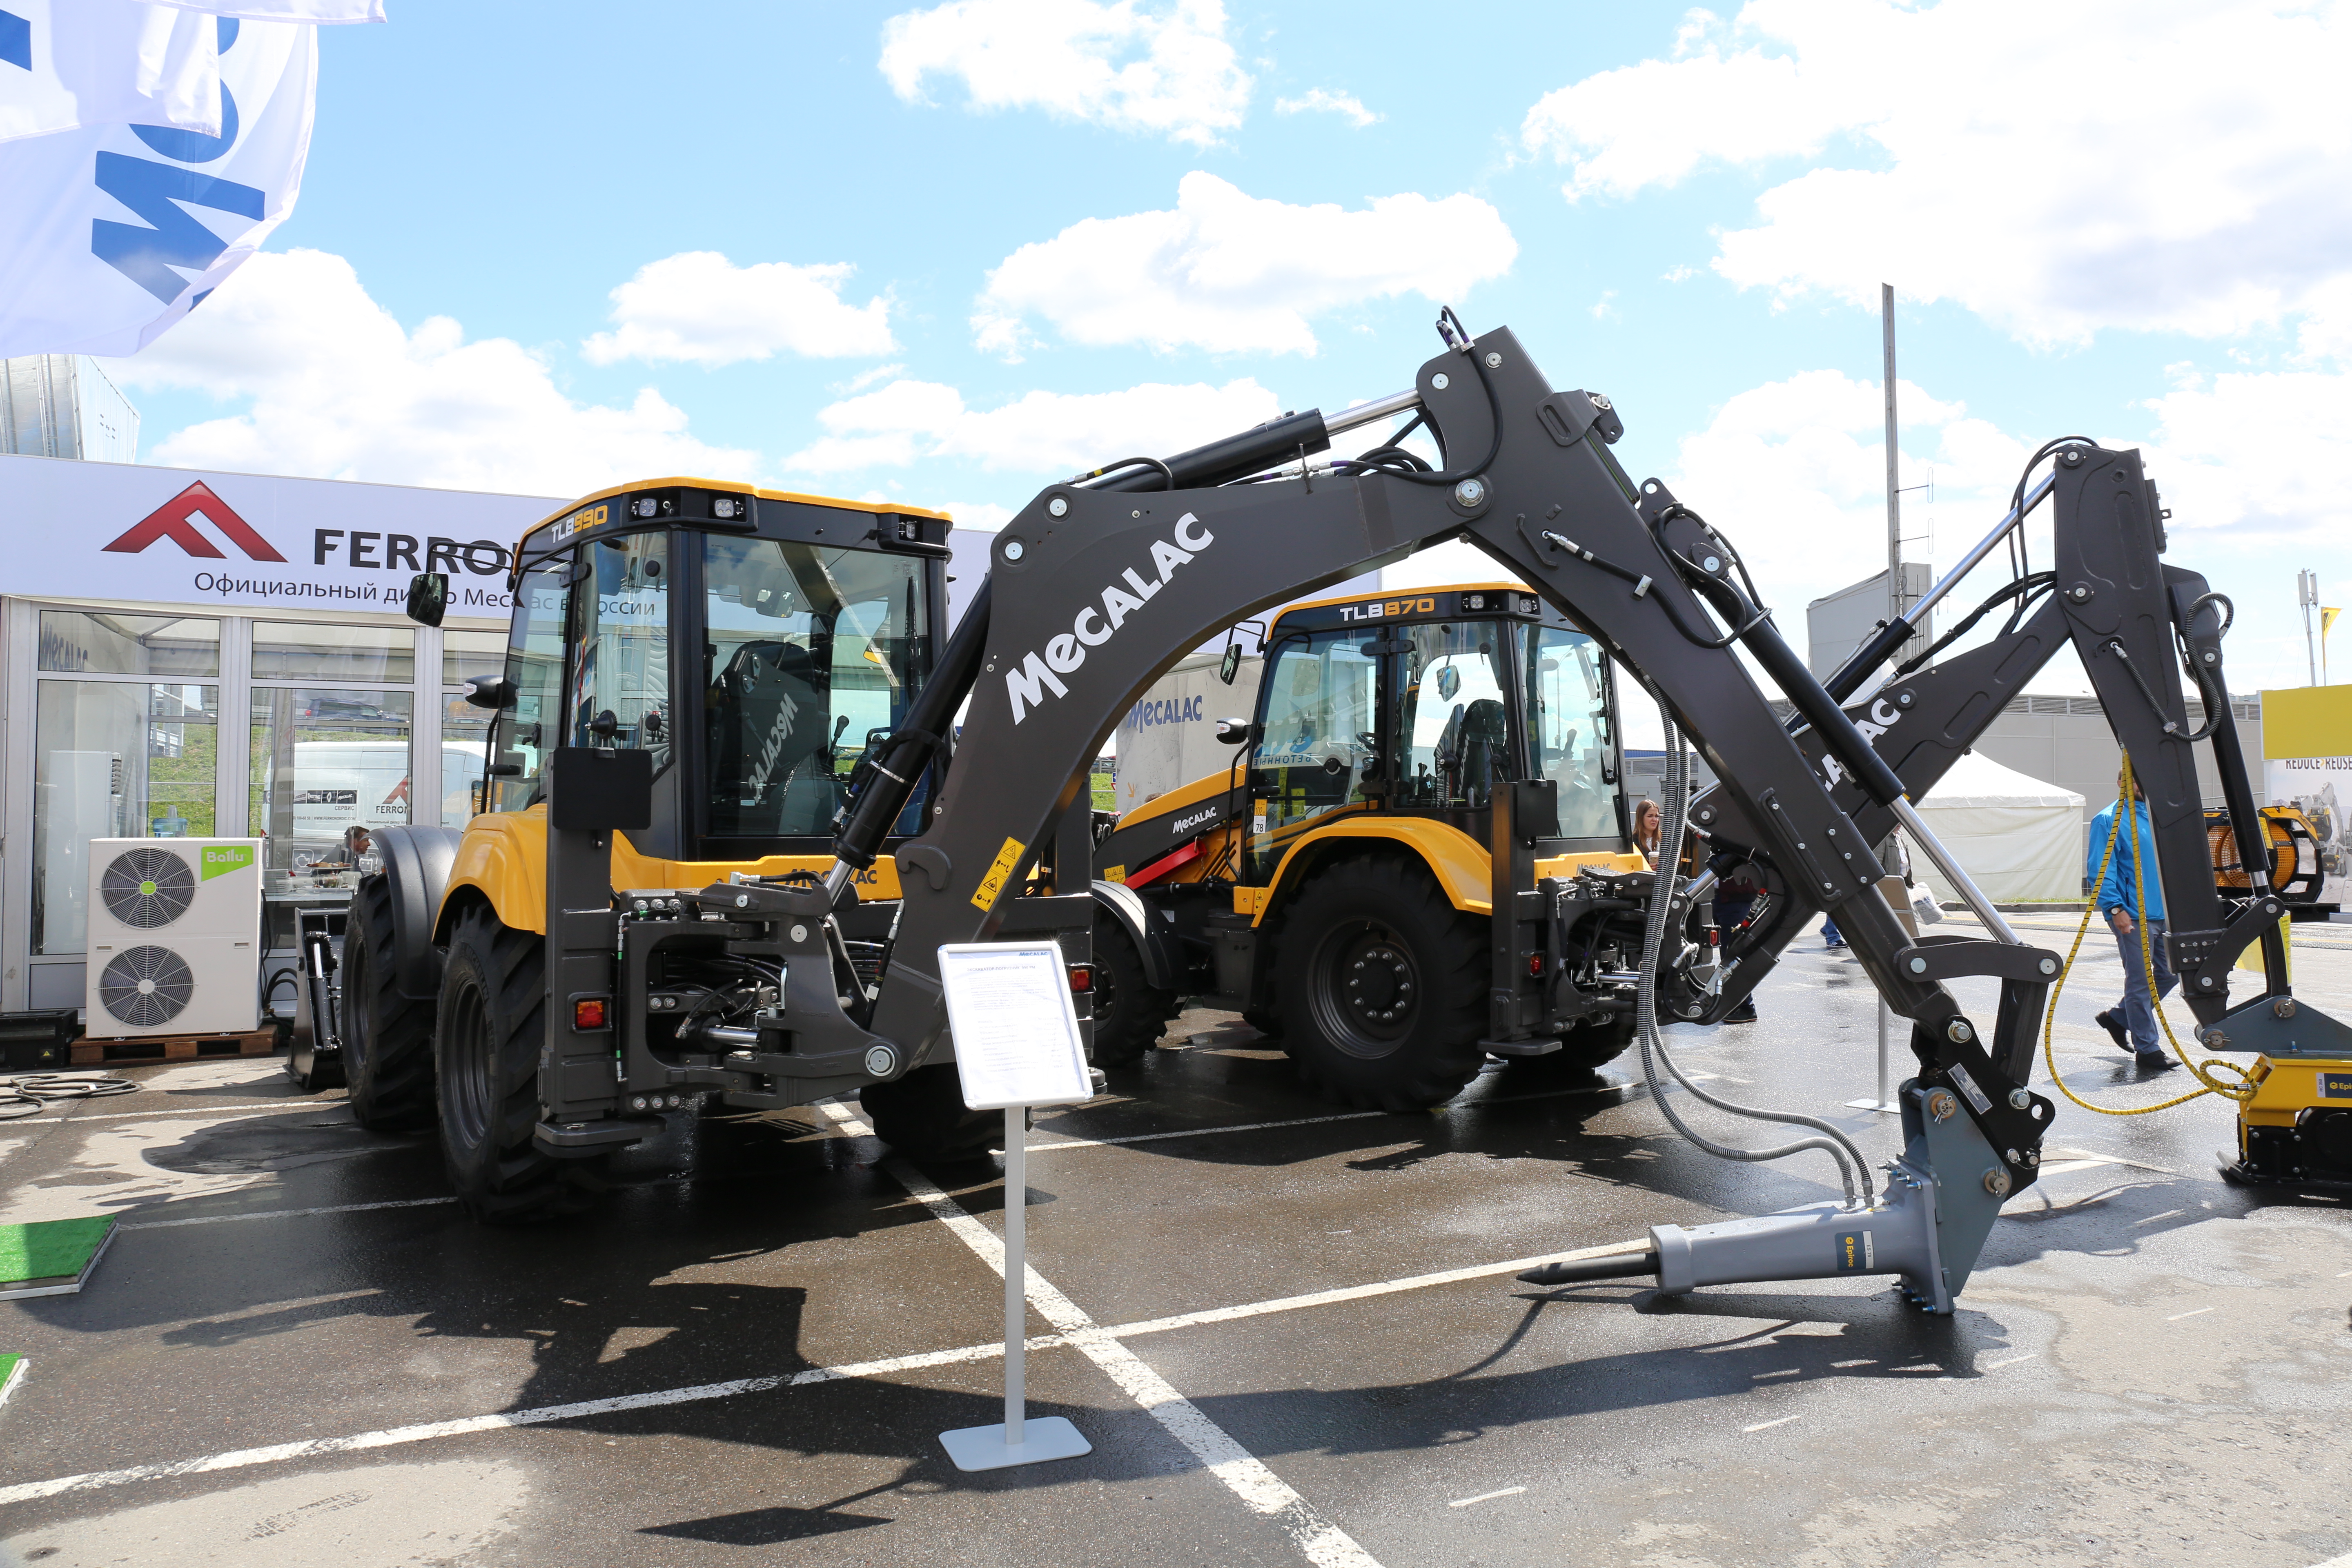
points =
(1382, 986)
(387, 1037)
(923, 1116)
(1130, 1013)
(493, 1020)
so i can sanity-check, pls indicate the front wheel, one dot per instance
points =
(923, 1116)
(1130, 1013)
(387, 1037)
(492, 1023)
(1382, 986)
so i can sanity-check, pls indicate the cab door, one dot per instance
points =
(1319, 704)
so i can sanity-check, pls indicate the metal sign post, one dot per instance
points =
(1898, 898)
(1017, 1046)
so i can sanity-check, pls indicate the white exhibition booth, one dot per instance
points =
(190, 654)
(2022, 839)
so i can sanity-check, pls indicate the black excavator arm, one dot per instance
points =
(1101, 584)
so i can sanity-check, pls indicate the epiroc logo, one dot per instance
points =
(178, 519)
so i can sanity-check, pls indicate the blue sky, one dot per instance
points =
(968, 248)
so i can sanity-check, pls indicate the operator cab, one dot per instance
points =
(756, 643)
(1422, 704)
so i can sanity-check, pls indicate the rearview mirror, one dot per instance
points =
(1231, 665)
(1236, 731)
(1449, 681)
(428, 597)
(491, 691)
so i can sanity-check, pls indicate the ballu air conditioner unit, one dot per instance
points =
(174, 937)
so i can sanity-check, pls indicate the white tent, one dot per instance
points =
(2020, 838)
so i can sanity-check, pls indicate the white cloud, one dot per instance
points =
(1047, 432)
(1169, 69)
(1228, 272)
(1322, 101)
(341, 390)
(699, 307)
(2057, 166)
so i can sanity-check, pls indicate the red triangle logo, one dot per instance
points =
(177, 520)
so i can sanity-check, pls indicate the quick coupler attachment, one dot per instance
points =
(1928, 1225)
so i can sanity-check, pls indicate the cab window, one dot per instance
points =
(1454, 726)
(620, 628)
(1321, 735)
(1567, 708)
(534, 668)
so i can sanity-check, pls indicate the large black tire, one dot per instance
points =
(387, 1039)
(1583, 1049)
(923, 1116)
(493, 1021)
(1382, 986)
(1130, 1013)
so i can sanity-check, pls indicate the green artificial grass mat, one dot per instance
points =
(50, 1251)
(10, 1365)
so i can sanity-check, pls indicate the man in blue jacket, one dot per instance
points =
(2131, 1022)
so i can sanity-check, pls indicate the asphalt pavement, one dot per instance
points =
(1292, 1333)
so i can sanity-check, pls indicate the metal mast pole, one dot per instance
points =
(1894, 480)
(2306, 594)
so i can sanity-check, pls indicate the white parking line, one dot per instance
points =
(1321, 1541)
(2012, 1361)
(2198, 1313)
(1337, 1116)
(1486, 1497)
(1761, 1425)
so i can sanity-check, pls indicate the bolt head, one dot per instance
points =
(1440, 381)
(1470, 492)
(1494, 361)
(1059, 507)
(799, 933)
(1918, 966)
(1958, 1032)
(743, 901)
(1713, 564)
(2049, 966)
(880, 1060)
(1943, 1104)
(1996, 1181)
(2017, 1100)
(1014, 549)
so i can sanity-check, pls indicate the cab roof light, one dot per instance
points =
(727, 508)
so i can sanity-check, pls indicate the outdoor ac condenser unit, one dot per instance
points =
(174, 936)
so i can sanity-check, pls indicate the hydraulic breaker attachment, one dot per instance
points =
(1928, 1227)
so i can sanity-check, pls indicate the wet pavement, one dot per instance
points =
(1293, 1334)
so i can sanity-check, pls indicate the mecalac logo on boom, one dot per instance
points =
(1028, 684)
(177, 520)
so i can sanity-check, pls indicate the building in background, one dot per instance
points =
(63, 405)
(189, 655)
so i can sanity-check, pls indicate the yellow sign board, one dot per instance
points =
(2307, 722)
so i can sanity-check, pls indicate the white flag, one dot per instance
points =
(322, 12)
(114, 233)
(65, 64)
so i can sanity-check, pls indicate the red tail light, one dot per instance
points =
(588, 1013)
(1082, 977)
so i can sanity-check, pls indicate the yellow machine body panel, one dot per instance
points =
(1457, 860)
(503, 856)
(2285, 1087)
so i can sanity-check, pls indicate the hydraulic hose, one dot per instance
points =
(1853, 1171)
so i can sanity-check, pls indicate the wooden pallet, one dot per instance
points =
(173, 1048)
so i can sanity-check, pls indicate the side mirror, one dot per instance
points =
(1449, 681)
(491, 691)
(428, 597)
(1231, 665)
(1236, 731)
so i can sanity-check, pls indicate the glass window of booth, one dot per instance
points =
(102, 642)
(113, 760)
(326, 762)
(306, 651)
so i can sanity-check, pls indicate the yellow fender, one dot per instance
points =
(1457, 860)
(503, 859)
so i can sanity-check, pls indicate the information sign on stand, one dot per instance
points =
(1017, 1046)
